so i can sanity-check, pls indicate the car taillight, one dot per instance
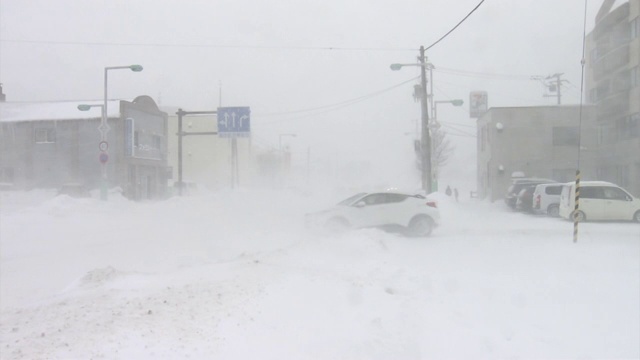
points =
(433, 204)
(538, 201)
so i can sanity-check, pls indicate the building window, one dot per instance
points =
(634, 75)
(634, 26)
(136, 139)
(622, 173)
(6, 175)
(629, 127)
(565, 136)
(45, 136)
(563, 175)
(157, 142)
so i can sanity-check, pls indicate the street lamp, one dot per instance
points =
(280, 140)
(438, 144)
(104, 129)
(426, 138)
(455, 102)
(282, 157)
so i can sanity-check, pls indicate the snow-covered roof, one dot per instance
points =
(55, 110)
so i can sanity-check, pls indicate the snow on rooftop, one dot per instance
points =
(55, 110)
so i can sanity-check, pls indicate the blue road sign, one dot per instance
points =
(234, 121)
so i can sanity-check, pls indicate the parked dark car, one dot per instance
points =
(524, 200)
(511, 197)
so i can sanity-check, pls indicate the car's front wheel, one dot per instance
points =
(578, 216)
(420, 225)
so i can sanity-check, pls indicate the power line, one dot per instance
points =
(481, 74)
(450, 31)
(342, 103)
(216, 46)
(329, 108)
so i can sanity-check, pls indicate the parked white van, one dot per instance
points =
(546, 199)
(599, 200)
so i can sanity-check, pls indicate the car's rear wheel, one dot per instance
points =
(636, 216)
(553, 210)
(420, 225)
(578, 216)
(336, 225)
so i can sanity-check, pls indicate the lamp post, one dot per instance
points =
(104, 129)
(434, 115)
(425, 138)
(438, 144)
(282, 157)
(280, 140)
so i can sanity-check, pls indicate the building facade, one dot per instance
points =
(49, 144)
(612, 80)
(542, 141)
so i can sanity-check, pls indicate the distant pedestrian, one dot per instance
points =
(455, 193)
(448, 191)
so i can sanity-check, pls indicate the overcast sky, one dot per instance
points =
(283, 56)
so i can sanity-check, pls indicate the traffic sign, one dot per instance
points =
(234, 121)
(103, 146)
(104, 157)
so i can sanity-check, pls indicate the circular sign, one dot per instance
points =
(103, 145)
(104, 157)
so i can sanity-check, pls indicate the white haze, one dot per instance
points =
(235, 275)
(284, 56)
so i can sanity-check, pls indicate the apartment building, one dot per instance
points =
(612, 82)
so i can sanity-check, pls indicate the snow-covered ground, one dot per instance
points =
(234, 275)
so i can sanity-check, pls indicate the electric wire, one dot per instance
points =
(328, 108)
(341, 103)
(213, 46)
(450, 31)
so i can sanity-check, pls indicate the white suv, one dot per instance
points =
(546, 199)
(412, 214)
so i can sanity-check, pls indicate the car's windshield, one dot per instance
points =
(351, 199)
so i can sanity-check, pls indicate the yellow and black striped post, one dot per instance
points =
(576, 208)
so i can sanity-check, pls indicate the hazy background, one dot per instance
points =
(298, 64)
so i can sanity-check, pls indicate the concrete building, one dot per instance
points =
(612, 80)
(539, 141)
(48, 144)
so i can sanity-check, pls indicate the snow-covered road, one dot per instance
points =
(236, 276)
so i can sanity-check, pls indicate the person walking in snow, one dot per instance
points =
(448, 191)
(455, 193)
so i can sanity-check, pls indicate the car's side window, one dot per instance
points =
(591, 192)
(374, 199)
(612, 193)
(395, 198)
(553, 190)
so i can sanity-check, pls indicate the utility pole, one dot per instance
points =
(552, 83)
(426, 137)
(425, 141)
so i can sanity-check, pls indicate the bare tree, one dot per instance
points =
(442, 149)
